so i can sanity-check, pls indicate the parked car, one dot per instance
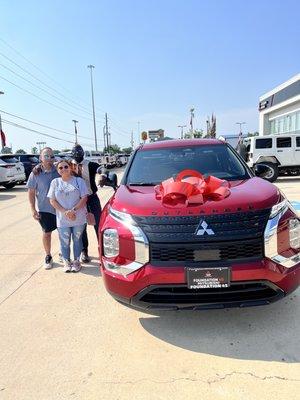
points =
(29, 161)
(12, 171)
(281, 153)
(243, 250)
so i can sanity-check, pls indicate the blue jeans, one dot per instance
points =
(65, 235)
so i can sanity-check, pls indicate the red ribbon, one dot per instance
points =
(190, 187)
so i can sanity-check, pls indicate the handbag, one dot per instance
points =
(90, 219)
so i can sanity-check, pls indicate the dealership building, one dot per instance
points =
(279, 109)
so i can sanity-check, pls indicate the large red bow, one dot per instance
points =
(190, 187)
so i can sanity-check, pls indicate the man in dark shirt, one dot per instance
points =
(87, 170)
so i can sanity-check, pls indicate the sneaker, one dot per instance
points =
(84, 258)
(60, 258)
(67, 266)
(48, 262)
(76, 266)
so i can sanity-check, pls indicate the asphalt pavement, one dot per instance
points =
(63, 337)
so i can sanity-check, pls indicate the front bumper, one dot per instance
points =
(165, 288)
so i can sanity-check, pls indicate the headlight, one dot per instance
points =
(110, 243)
(294, 233)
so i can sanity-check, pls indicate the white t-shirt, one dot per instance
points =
(67, 194)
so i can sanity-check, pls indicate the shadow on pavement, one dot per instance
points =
(267, 333)
(92, 268)
(6, 196)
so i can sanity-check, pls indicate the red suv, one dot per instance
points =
(237, 251)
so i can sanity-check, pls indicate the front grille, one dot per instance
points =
(226, 227)
(176, 254)
(180, 294)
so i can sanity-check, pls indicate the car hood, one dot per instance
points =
(251, 194)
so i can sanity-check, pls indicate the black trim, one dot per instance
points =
(178, 296)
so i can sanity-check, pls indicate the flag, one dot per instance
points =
(3, 138)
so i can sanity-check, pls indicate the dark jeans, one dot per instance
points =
(93, 206)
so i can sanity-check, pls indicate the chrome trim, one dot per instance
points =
(271, 240)
(141, 244)
(121, 269)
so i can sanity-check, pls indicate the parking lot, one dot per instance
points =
(63, 337)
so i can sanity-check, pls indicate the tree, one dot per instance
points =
(211, 127)
(114, 149)
(127, 150)
(66, 150)
(55, 152)
(20, 151)
(253, 134)
(6, 150)
(198, 133)
(34, 150)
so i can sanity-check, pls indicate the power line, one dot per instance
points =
(40, 133)
(45, 101)
(79, 106)
(42, 125)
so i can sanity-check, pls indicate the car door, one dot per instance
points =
(297, 150)
(284, 150)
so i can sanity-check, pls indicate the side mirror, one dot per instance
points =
(108, 179)
(261, 170)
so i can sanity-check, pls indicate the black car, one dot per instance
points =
(29, 161)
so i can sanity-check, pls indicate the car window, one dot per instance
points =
(33, 159)
(298, 141)
(10, 160)
(265, 143)
(156, 165)
(284, 142)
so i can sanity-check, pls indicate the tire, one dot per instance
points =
(273, 174)
(9, 185)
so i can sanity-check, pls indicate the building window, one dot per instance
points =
(298, 141)
(263, 143)
(284, 142)
(285, 124)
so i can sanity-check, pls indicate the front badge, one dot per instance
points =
(203, 228)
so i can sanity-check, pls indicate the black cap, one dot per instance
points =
(77, 153)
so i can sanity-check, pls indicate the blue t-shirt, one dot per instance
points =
(41, 184)
(67, 194)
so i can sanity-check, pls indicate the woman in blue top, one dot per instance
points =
(68, 195)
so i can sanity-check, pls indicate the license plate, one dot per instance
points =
(208, 278)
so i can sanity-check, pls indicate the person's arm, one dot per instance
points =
(70, 214)
(31, 196)
(80, 204)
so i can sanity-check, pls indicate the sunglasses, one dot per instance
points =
(48, 157)
(64, 167)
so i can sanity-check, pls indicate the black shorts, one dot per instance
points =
(47, 221)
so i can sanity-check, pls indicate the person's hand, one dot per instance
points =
(35, 215)
(37, 169)
(71, 215)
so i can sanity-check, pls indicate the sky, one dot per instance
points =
(154, 60)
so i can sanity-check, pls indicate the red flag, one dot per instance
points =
(3, 138)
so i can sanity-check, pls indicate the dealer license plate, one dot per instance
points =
(208, 278)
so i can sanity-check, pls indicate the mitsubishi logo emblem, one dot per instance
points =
(203, 228)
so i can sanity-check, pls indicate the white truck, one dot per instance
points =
(281, 153)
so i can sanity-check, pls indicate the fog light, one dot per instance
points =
(294, 232)
(110, 243)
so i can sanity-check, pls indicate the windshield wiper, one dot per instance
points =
(142, 183)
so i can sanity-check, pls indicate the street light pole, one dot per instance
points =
(93, 104)
(75, 129)
(181, 126)
(1, 134)
(240, 124)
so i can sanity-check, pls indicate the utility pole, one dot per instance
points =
(181, 126)
(93, 104)
(241, 132)
(104, 140)
(106, 132)
(40, 144)
(75, 129)
(1, 132)
(139, 133)
(191, 122)
(132, 141)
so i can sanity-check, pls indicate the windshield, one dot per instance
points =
(153, 166)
